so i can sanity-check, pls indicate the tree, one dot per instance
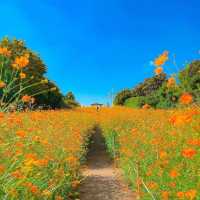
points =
(70, 96)
(70, 100)
(28, 79)
(121, 97)
(149, 85)
(190, 79)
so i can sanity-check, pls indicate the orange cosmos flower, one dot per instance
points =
(1, 115)
(2, 84)
(188, 153)
(75, 183)
(22, 75)
(180, 119)
(171, 82)
(26, 98)
(146, 106)
(152, 185)
(194, 142)
(186, 98)
(21, 62)
(173, 174)
(34, 189)
(4, 51)
(21, 133)
(158, 70)
(163, 154)
(191, 194)
(180, 195)
(2, 169)
(161, 59)
(17, 174)
(165, 195)
(59, 198)
(172, 184)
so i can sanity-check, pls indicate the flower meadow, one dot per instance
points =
(158, 151)
(41, 152)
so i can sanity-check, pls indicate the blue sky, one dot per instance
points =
(92, 47)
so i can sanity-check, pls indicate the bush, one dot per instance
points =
(122, 96)
(190, 79)
(149, 85)
(70, 100)
(133, 102)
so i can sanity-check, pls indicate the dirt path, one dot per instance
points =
(102, 179)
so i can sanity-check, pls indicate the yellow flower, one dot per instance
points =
(2, 84)
(4, 51)
(22, 75)
(44, 81)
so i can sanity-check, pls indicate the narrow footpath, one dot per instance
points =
(102, 179)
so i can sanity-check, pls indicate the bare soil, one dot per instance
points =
(102, 180)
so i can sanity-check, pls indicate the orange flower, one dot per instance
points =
(34, 189)
(21, 133)
(1, 115)
(75, 183)
(26, 98)
(186, 98)
(152, 185)
(194, 142)
(172, 184)
(161, 59)
(180, 119)
(165, 195)
(173, 174)
(4, 51)
(191, 194)
(180, 195)
(42, 162)
(158, 70)
(171, 82)
(22, 75)
(188, 153)
(21, 62)
(2, 169)
(2, 84)
(146, 106)
(17, 174)
(163, 154)
(59, 198)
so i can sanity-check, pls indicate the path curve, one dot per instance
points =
(102, 180)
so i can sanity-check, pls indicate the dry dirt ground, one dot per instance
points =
(102, 179)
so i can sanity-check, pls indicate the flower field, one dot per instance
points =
(40, 154)
(158, 151)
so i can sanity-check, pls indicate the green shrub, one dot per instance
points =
(190, 79)
(133, 102)
(121, 97)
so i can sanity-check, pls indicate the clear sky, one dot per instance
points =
(92, 47)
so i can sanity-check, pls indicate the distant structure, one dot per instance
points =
(97, 105)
